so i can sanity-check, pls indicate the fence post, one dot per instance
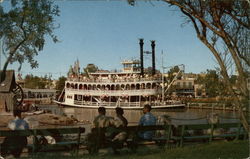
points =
(238, 132)
(35, 144)
(212, 132)
(182, 135)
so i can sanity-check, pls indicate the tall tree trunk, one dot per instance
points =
(3, 72)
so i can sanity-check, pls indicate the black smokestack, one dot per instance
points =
(141, 56)
(153, 56)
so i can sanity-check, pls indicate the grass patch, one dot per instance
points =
(215, 150)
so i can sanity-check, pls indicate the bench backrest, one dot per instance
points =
(43, 132)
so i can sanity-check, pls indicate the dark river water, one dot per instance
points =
(178, 116)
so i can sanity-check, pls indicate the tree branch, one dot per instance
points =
(193, 14)
(193, 21)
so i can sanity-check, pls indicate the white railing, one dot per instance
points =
(114, 81)
(142, 92)
(116, 104)
(109, 104)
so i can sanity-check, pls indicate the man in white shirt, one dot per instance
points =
(14, 145)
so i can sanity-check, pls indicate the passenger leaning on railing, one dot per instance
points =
(14, 145)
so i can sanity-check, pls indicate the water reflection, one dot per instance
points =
(178, 116)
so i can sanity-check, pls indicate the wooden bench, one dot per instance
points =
(198, 130)
(132, 140)
(173, 136)
(161, 140)
(56, 132)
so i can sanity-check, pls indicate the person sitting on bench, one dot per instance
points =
(147, 119)
(119, 136)
(97, 139)
(14, 145)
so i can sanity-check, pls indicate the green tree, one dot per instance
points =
(172, 73)
(34, 82)
(23, 29)
(149, 70)
(91, 68)
(224, 28)
(212, 83)
(60, 83)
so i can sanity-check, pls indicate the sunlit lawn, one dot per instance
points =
(215, 150)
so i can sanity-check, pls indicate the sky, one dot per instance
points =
(105, 32)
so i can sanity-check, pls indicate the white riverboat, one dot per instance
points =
(126, 89)
(129, 89)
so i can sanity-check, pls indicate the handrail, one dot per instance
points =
(115, 92)
(128, 80)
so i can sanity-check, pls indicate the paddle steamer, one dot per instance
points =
(130, 88)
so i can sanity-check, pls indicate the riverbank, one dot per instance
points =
(212, 106)
(41, 119)
(215, 150)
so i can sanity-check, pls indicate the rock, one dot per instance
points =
(52, 119)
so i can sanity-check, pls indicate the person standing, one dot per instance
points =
(14, 145)
(147, 119)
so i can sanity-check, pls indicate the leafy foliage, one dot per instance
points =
(172, 73)
(149, 70)
(60, 83)
(91, 68)
(35, 82)
(23, 29)
(212, 83)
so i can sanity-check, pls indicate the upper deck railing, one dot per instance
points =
(115, 92)
(121, 80)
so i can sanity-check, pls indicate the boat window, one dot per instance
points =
(108, 87)
(118, 87)
(89, 87)
(137, 86)
(122, 86)
(69, 97)
(80, 86)
(132, 86)
(79, 97)
(154, 85)
(103, 87)
(148, 86)
(98, 87)
(67, 85)
(143, 85)
(128, 87)
(85, 87)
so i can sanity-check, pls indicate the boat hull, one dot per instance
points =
(124, 107)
